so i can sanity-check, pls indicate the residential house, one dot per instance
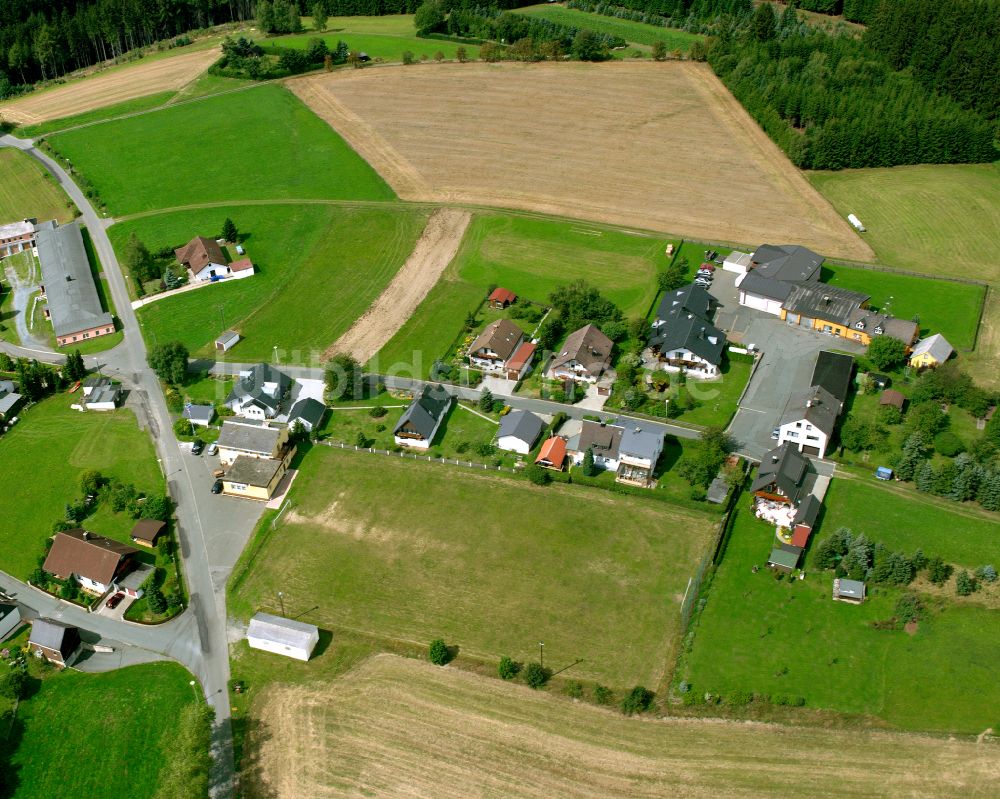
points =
(255, 439)
(738, 262)
(866, 325)
(690, 344)
(602, 439)
(519, 430)
(584, 357)
(308, 412)
(147, 532)
(845, 590)
(10, 619)
(500, 298)
(17, 237)
(784, 476)
(520, 361)
(199, 415)
(420, 421)
(58, 643)
(227, 341)
(259, 392)
(892, 398)
(552, 454)
(809, 420)
(690, 299)
(640, 448)
(294, 639)
(930, 352)
(496, 345)
(72, 303)
(91, 560)
(204, 258)
(254, 478)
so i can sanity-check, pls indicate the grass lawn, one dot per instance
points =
(490, 563)
(717, 399)
(903, 518)
(387, 47)
(951, 309)
(940, 219)
(208, 390)
(789, 638)
(634, 32)
(97, 115)
(129, 713)
(208, 84)
(531, 257)
(51, 446)
(28, 191)
(318, 269)
(160, 160)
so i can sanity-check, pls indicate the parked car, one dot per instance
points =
(212, 448)
(705, 273)
(707, 267)
(703, 282)
(112, 603)
(217, 487)
(776, 433)
(197, 446)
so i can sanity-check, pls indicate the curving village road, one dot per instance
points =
(198, 637)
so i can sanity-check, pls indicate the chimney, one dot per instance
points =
(774, 459)
(86, 536)
(809, 403)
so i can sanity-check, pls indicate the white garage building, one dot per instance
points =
(294, 639)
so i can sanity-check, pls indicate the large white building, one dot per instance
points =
(294, 639)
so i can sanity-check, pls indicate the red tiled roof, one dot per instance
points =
(553, 451)
(199, 253)
(521, 357)
(240, 265)
(800, 535)
(502, 295)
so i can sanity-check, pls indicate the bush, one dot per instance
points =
(377, 412)
(574, 689)
(965, 583)
(538, 475)
(948, 444)
(536, 675)
(508, 669)
(908, 608)
(408, 57)
(986, 573)
(603, 695)
(638, 700)
(938, 571)
(438, 653)
(183, 427)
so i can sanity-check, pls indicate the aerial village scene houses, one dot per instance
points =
(205, 261)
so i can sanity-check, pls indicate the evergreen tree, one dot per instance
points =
(989, 490)
(924, 477)
(486, 401)
(763, 25)
(319, 16)
(589, 466)
(229, 231)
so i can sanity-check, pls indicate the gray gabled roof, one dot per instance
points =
(53, 635)
(257, 472)
(244, 436)
(855, 589)
(786, 558)
(689, 332)
(426, 410)
(784, 467)
(288, 632)
(71, 294)
(640, 440)
(937, 346)
(815, 405)
(309, 410)
(823, 301)
(789, 262)
(833, 371)
(199, 413)
(875, 323)
(754, 283)
(689, 299)
(250, 386)
(9, 401)
(589, 347)
(605, 439)
(808, 511)
(522, 425)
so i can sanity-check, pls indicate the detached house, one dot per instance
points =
(782, 476)
(683, 338)
(91, 560)
(420, 421)
(629, 448)
(496, 346)
(584, 357)
(253, 439)
(207, 262)
(519, 430)
(259, 392)
(809, 420)
(931, 351)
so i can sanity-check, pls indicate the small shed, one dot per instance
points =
(500, 298)
(718, 490)
(227, 341)
(58, 643)
(845, 590)
(294, 639)
(10, 619)
(147, 532)
(883, 473)
(738, 262)
(199, 415)
(784, 558)
(892, 398)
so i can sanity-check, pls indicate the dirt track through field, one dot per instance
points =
(659, 146)
(434, 251)
(108, 89)
(403, 728)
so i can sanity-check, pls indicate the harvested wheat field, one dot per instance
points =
(398, 727)
(659, 146)
(109, 88)
(434, 251)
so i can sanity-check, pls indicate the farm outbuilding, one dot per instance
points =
(738, 262)
(10, 619)
(227, 340)
(845, 590)
(294, 639)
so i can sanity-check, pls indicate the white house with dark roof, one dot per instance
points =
(809, 420)
(259, 392)
(518, 432)
(307, 411)
(199, 415)
(628, 447)
(419, 423)
(682, 338)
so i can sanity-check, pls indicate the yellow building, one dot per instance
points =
(844, 313)
(254, 478)
(930, 352)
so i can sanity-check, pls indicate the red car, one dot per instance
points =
(709, 267)
(114, 601)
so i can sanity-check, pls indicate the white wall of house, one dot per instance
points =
(574, 370)
(227, 456)
(703, 368)
(803, 434)
(91, 585)
(297, 652)
(207, 271)
(765, 304)
(488, 364)
(610, 464)
(513, 444)
(242, 273)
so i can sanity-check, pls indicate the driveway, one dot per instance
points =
(785, 366)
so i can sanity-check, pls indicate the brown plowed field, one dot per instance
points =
(110, 88)
(658, 146)
(402, 728)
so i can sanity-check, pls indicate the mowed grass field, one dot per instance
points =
(97, 114)
(258, 144)
(789, 638)
(531, 257)
(319, 267)
(940, 219)
(28, 191)
(634, 32)
(951, 309)
(99, 734)
(47, 452)
(395, 726)
(906, 519)
(404, 550)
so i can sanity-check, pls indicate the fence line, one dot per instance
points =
(416, 456)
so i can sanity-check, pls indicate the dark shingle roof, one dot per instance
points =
(425, 411)
(765, 287)
(248, 437)
(789, 262)
(833, 372)
(815, 405)
(250, 386)
(784, 467)
(689, 299)
(589, 347)
(605, 439)
(878, 324)
(522, 425)
(501, 336)
(692, 333)
(87, 555)
(822, 301)
(309, 410)
(54, 635)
